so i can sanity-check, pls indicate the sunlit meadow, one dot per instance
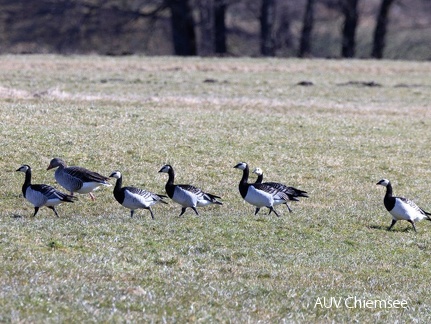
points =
(330, 127)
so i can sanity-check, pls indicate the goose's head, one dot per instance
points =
(23, 168)
(115, 174)
(166, 168)
(56, 162)
(383, 182)
(241, 166)
(258, 171)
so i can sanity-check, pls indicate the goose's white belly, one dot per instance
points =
(135, 201)
(279, 202)
(403, 211)
(203, 202)
(53, 202)
(184, 198)
(90, 186)
(39, 200)
(259, 198)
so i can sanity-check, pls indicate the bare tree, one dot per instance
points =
(220, 7)
(267, 16)
(307, 27)
(206, 13)
(212, 26)
(160, 27)
(380, 30)
(183, 27)
(351, 17)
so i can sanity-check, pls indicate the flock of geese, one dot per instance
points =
(259, 194)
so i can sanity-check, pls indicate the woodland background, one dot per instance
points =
(392, 29)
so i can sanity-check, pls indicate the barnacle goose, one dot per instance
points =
(402, 208)
(134, 198)
(291, 192)
(187, 195)
(77, 179)
(41, 194)
(259, 194)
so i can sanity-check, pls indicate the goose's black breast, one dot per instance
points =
(389, 203)
(170, 188)
(243, 189)
(119, 195)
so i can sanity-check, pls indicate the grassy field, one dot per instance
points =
(359, 122)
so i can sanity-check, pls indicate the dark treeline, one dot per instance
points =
(279, 28)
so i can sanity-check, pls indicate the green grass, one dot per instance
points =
(96, 264)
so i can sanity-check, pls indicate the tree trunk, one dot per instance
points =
(267, 15)
(380, 31)
(206, 11)
(307, 28)
(220, 27)
(183, 32)
(350, 11)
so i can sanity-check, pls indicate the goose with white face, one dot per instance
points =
(292, 193)
(402, 208)
(40, 195)
(186, 195)
(134, 198)
(259, 194)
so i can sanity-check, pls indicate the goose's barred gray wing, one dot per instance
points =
(292, 192)
(145, 194)
(51, 193)
(201, 195)
(269, 189)
(191, 189)
(212, 198)
(413, 205)
(84, 175)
